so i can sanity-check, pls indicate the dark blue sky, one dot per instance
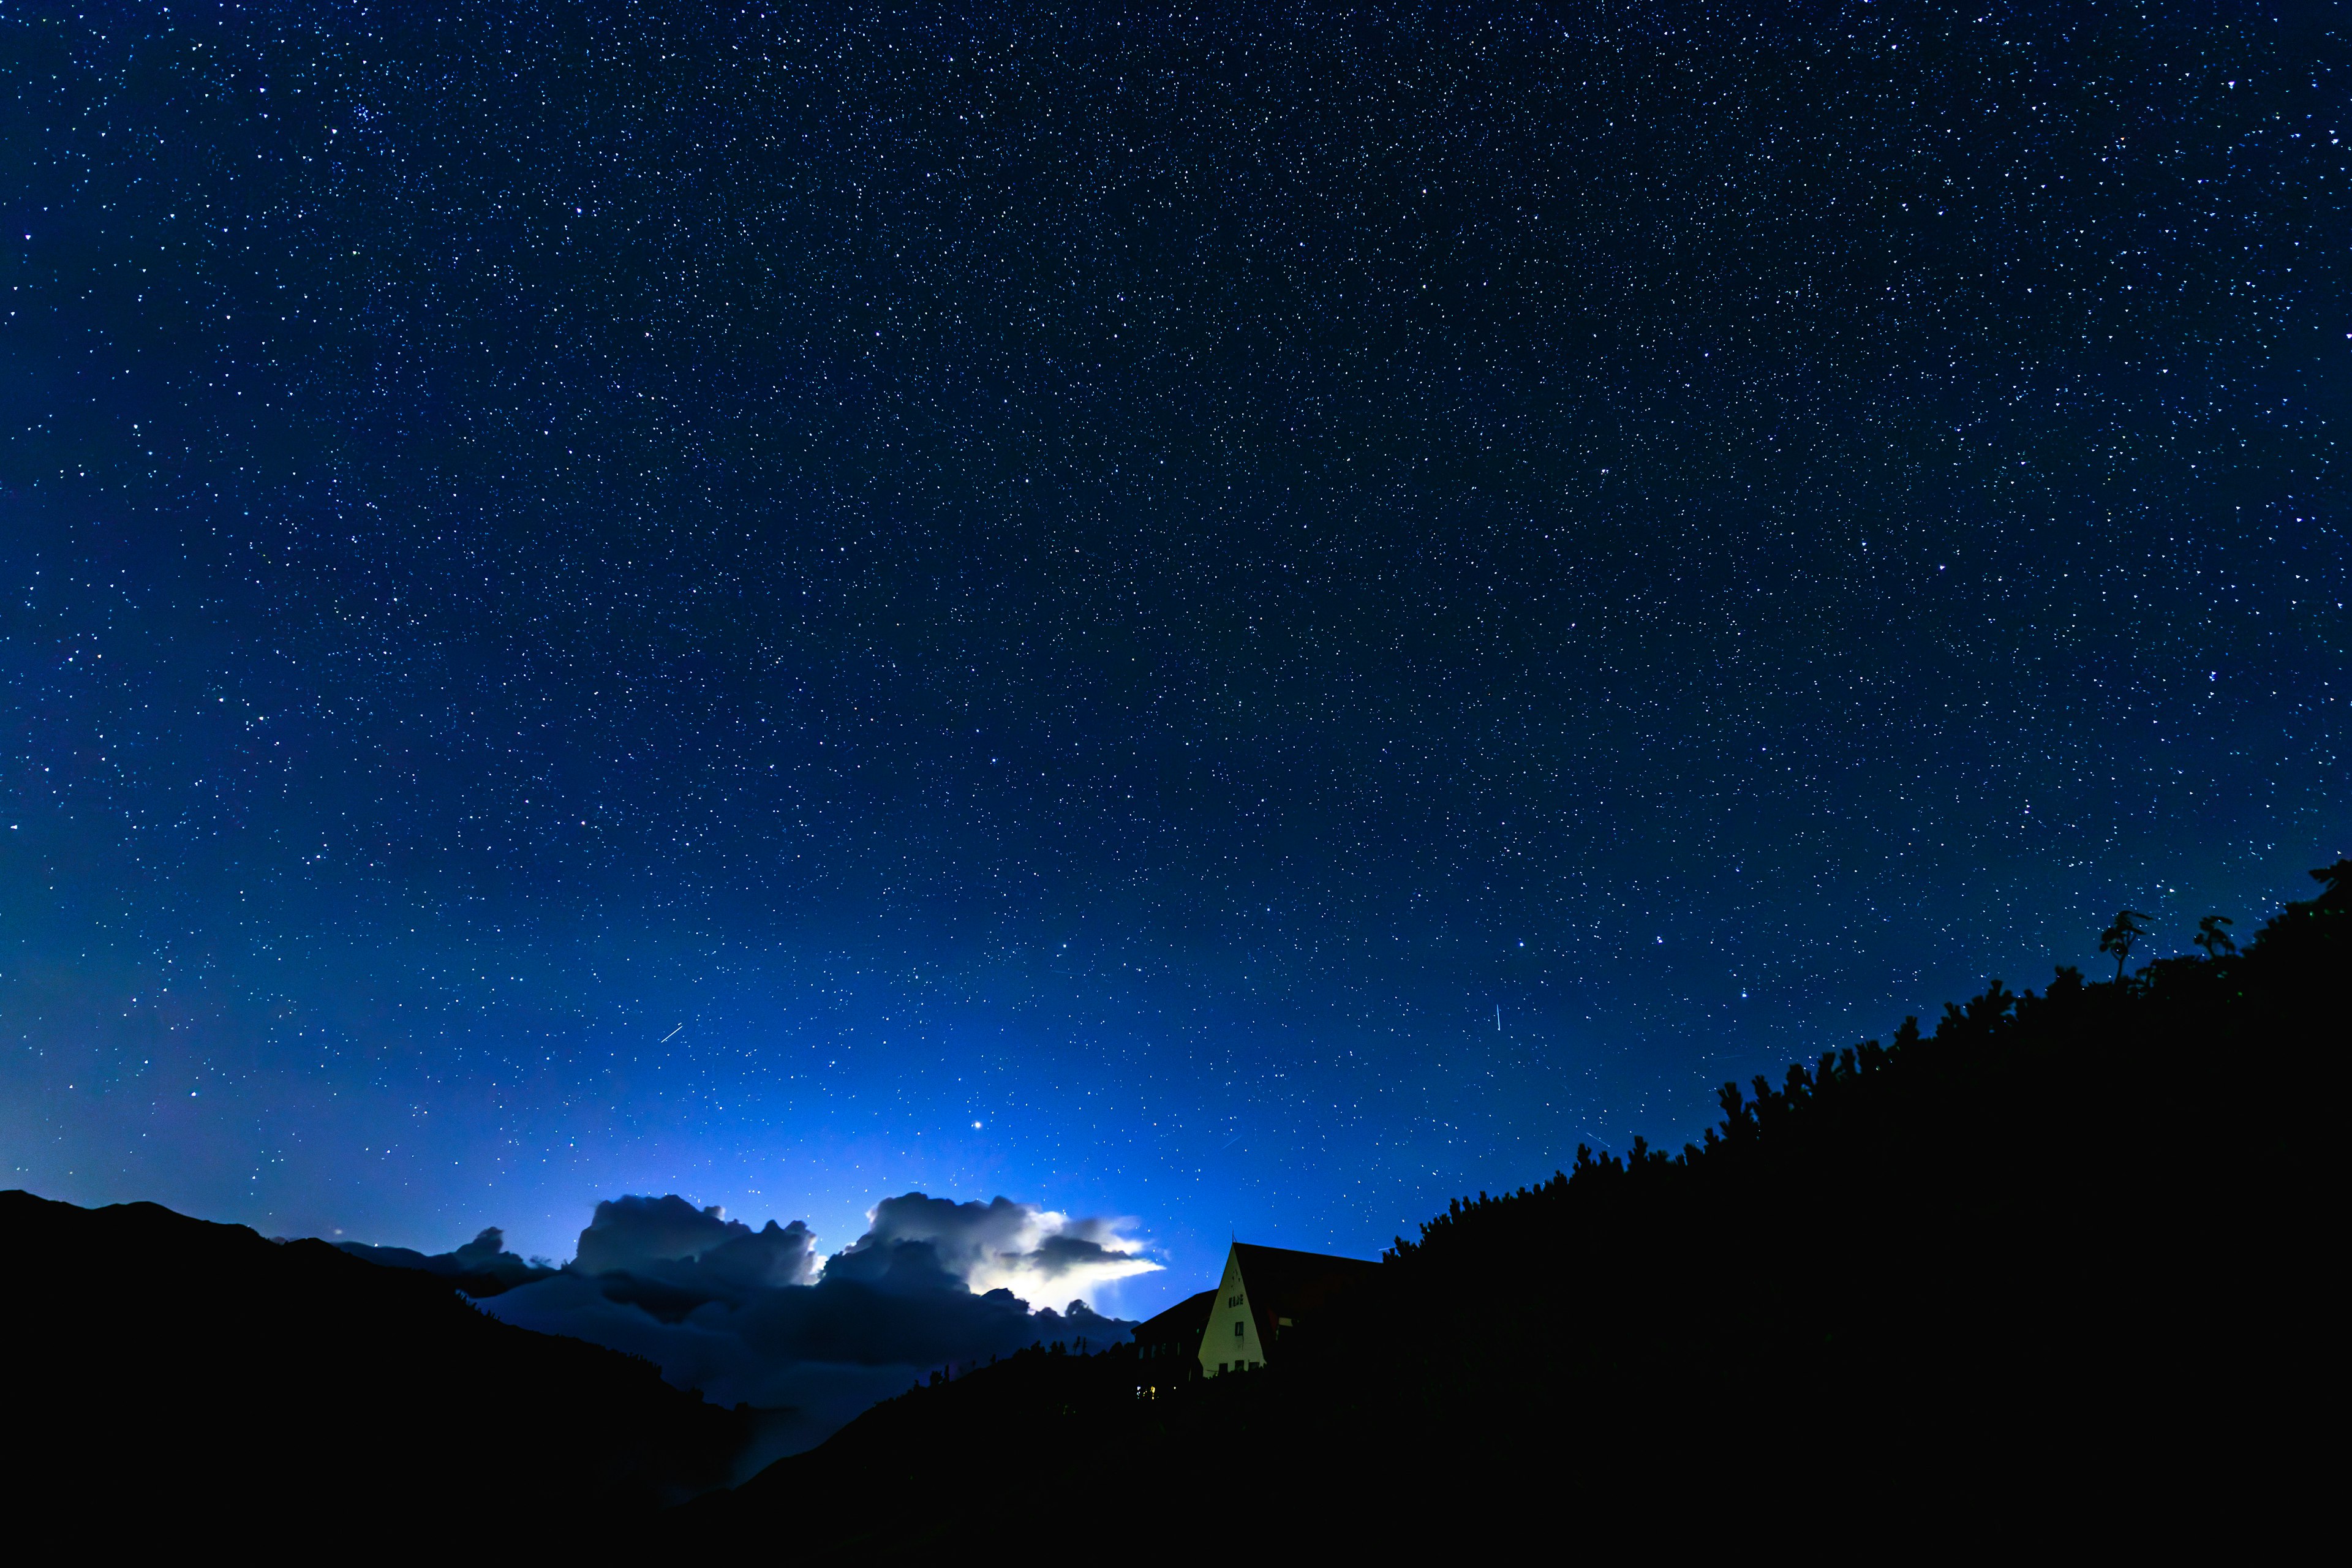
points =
(793, 604)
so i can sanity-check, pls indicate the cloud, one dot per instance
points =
(638, 1234)
(997, 1245)
(747, 1316)
(484, 1251)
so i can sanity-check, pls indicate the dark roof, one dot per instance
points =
(1182, 1323)
(1285, 1284)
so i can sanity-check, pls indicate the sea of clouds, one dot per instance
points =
(758, 1317)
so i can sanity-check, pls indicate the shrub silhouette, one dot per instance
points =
(2211, 936)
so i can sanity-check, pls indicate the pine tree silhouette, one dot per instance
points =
(2119, 937)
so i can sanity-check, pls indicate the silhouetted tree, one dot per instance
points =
(2212, 938)
(2119, 937)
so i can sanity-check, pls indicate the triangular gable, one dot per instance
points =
(1263, 1291)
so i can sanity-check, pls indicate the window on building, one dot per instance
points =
(1237, 1328)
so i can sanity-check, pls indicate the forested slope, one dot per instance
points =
(2049, 1266)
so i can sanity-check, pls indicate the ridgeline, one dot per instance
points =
(2050, 1271)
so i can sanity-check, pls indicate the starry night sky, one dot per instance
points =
(1249, 617)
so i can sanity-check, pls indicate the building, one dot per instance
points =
(1266, 1292)
(1174, 1332)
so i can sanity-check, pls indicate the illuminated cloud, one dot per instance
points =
(1028, 1249)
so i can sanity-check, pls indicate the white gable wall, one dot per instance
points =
(1232, 1341)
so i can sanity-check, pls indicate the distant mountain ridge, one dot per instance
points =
(483, 1266)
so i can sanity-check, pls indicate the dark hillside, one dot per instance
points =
(172, 1374)
(2041, 1270)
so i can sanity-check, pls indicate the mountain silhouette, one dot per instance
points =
(179, 1375)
